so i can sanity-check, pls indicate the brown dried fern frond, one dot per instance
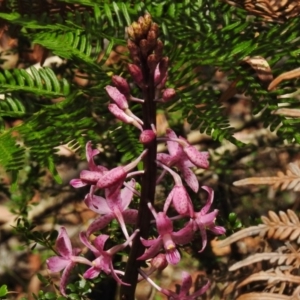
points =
(273, 273)
(280, 258)
(284, 226)
(288, 181)
(271, 277)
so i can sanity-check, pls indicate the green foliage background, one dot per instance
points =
(197, 34)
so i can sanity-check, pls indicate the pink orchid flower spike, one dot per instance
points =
(167, 238)
(204, 220)
(113, 207)
(183, 294)
(66, 260)
(104, 258)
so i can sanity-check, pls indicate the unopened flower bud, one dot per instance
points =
(158, 51)
(122, 85)
(144, 46)
(147, 136)
(147, 19)
(138, 33)
(117, 97)
(152, 39)
(145, 23)
(168, 94)
(133, 49)
(136, 74)
(131, 33)
(152, 62)
(154, 27)
(159, 262)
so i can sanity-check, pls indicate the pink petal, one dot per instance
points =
(164, 158)
(190, 178)
(200, 159)
(115, 276)
(209, 201)
(168, 201)
(99, 223)
(218, 230)
(117, 97)
(90, 176)
(173, 256)
(97, 204)
(186, 283)
(91, 273)
(184, 235)
(152, 251)
(84, 240)
(127, 194)
(203, 237)
(111, 177)
(173, 147)
(90, 153)
(63, 244)
(64, 278)
(150, 242)
(100, 241)
(57, 263)
(77, 183)
(163, 223)
(181, 201)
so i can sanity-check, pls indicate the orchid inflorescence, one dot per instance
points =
(119, 184)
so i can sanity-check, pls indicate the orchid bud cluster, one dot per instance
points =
(149, 70)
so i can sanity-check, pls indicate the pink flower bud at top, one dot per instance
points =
(136, 74)
(159, 262)
(117, 97)
(168, 94)
(122, 85)
(147, 136)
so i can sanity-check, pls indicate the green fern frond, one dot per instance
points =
(40, 82)
(124, 137)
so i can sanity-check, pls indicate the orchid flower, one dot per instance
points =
(104, 258)
(179, 159)
(204, 220)
(184, 289)
(103, 178)
(167, 238)
(66, 260)
(94, 173)
(178, 196)
(113, 207)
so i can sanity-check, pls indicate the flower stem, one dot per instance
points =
(148, 188)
